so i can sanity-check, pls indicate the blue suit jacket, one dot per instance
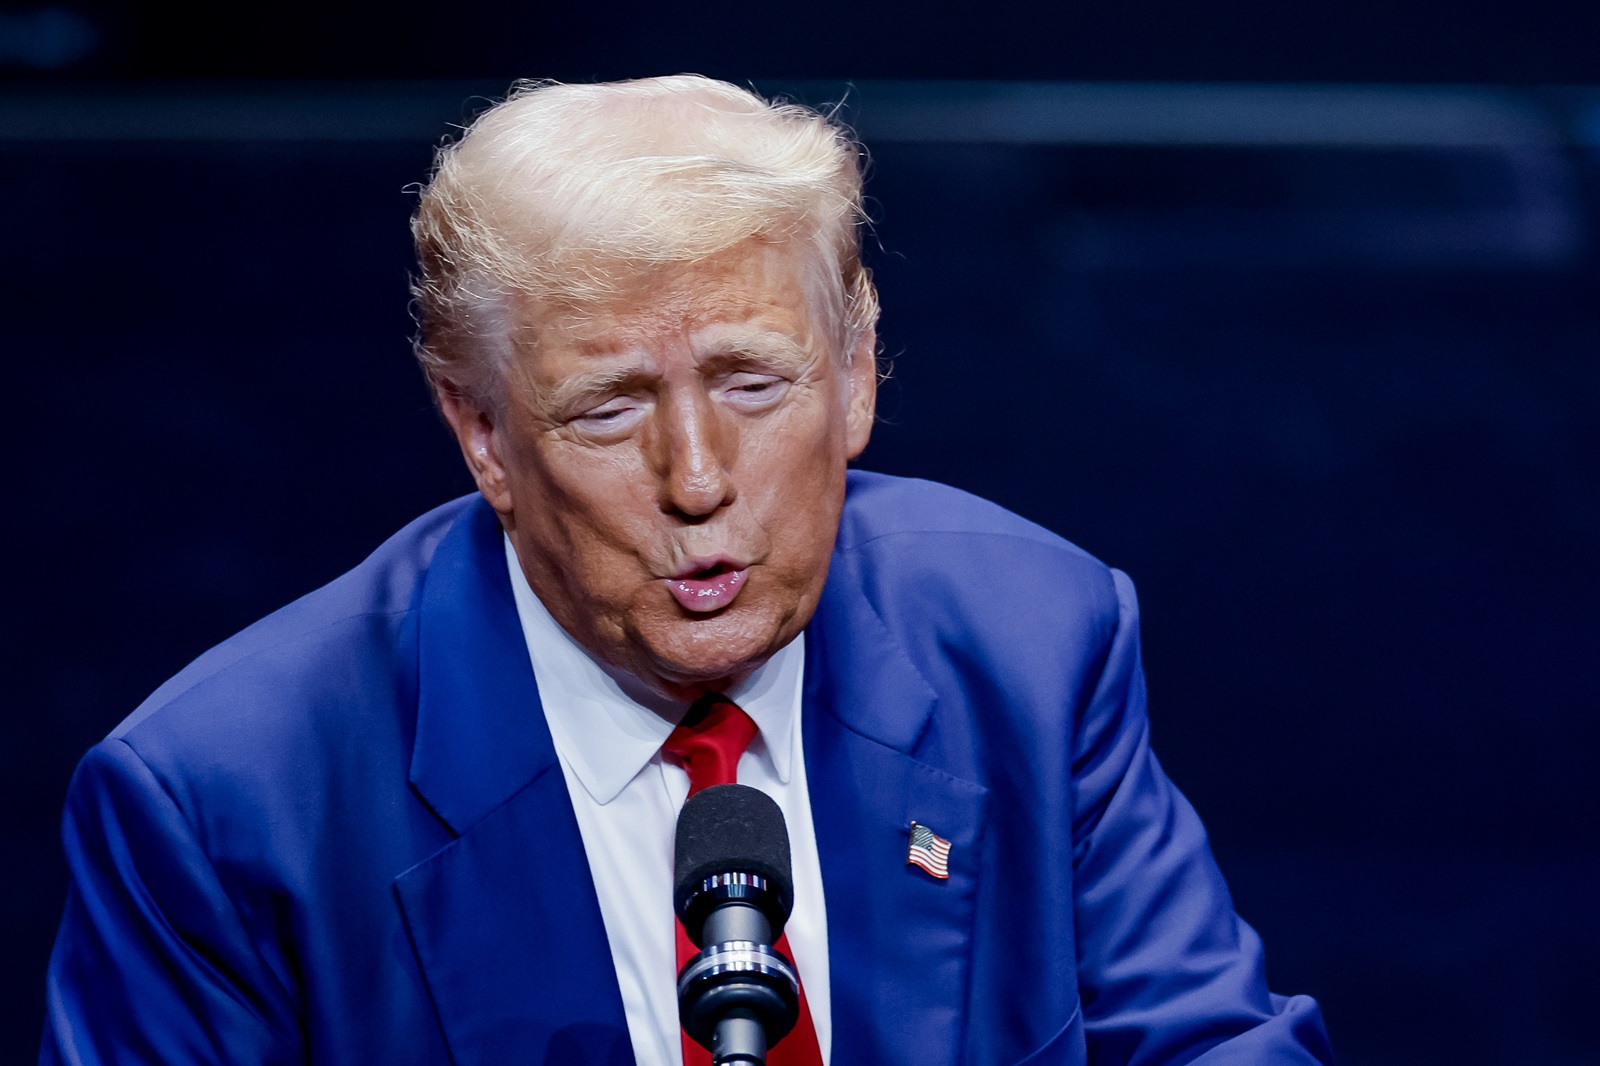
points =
(343, 837)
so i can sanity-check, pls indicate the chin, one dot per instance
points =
(700, 653)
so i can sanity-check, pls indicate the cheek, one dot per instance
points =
(586, 487)
(588, 510)
(806, 441)
(804, 477)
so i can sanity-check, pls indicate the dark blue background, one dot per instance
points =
(1330, 397)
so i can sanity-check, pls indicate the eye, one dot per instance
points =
(612, 418)
(754, 391)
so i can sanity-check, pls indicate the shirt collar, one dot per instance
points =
(607, 726)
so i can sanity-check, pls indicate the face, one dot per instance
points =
(670, 466)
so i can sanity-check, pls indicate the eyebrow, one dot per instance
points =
(763, 348)
(583, 388)
(735, 350)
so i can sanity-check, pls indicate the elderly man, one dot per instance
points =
(425, 814)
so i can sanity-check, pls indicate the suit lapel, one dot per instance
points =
(506, 928)
(504, 920)
(899, 940)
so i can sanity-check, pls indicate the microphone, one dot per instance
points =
(733, 892)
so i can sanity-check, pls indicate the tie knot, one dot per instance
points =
(709, 741)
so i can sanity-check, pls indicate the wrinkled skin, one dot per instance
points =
(695, 429)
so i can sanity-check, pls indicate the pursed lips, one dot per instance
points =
(708, 584)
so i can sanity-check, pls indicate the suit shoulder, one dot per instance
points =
(265, 686)
(942, 519)
(926, 554)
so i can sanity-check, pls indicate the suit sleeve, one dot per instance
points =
(153, 963)
(1167, 972)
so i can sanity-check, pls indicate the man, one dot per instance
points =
(425, 814)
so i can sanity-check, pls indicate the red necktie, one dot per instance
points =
(707, 744)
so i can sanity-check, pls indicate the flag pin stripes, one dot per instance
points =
(930, 851)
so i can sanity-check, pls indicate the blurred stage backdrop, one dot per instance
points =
(1299, 326)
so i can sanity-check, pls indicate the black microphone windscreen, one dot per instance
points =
(732, 828)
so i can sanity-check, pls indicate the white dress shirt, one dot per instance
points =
(608, 731)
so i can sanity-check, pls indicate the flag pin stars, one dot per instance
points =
(930, 851)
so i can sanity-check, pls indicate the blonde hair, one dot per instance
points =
(567, 192)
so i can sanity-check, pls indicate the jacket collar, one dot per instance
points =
(899, 941)
(481, 732)
(505, 925)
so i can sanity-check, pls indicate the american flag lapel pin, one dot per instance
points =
(930, 851)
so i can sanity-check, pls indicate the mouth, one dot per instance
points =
(707, 585)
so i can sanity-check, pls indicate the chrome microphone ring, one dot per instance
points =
(738, 975)
(737, 958)
(733, 886)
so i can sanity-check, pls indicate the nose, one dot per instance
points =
(693, 457)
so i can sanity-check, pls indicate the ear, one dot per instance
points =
(862, 375)
(482, 445)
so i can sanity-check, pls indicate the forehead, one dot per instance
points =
(755, 289)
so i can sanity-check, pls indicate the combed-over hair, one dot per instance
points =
(566, 192)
